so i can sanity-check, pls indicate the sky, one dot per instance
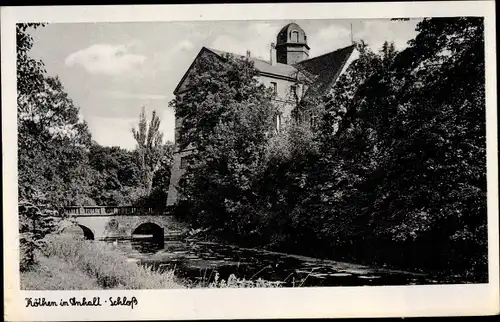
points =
(111, 70)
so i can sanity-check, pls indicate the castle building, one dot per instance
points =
(289, 71)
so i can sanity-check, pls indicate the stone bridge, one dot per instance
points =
(123, 222)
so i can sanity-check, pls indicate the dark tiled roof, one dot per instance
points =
(326, 67)
(265, 66)
(322, 70)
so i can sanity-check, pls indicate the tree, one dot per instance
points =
(228, 120)
(52, 148)
(440, 193)
(161, 178)
(52, 137)
(36, 220)
(218, 83)
(30, 72)
(149, 148)
(49, 129)
(404, 153)
(157, 198)
(117, 175)
(289, 158)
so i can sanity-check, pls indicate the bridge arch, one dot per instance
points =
(87, 232)
(80, 229)
(149, 228)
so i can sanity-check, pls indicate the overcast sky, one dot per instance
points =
(110, 70)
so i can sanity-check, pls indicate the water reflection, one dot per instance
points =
(146, 245)
(199, 261)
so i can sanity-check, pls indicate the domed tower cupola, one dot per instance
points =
(291, 45)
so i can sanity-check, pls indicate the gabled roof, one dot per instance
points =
(264, 66)
(323, 70)
(186, 74)
(326, 67)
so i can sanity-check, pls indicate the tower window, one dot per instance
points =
(294, 36)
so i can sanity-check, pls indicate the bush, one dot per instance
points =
(234, 282)
(106, 264)
(36, 220)
(54, 274)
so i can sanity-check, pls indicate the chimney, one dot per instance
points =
(273, 54)
(248, 53)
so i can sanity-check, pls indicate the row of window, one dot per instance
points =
(311, 118)
(292, 88)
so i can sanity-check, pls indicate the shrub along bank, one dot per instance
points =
(68, 263)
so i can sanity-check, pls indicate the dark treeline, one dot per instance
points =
(394, 174)
(60, 165)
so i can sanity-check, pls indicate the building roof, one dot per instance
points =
(323, 70)
(326, 68)
(291, 25)
(264, 66)
(284, 36)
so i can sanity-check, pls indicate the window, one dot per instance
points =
(274, 86)
(314, 120)
(278, 122)
(185, 161)
(294, 36)
(293, 91)
(178, 135)
(306, 118)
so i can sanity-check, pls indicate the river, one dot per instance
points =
(198, 261)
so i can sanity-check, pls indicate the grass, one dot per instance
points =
(54, 274)
(71, 263)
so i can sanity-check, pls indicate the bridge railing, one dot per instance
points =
(107, 210)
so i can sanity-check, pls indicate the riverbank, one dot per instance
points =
(69, 263)
(345, 264)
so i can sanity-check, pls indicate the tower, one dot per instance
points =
(291, 45)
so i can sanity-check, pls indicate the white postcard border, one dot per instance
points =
(370, 301)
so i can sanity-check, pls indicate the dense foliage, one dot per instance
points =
(402, 155)
(52, 147)
(59, 165)
(116, 175)
(228, 120)
(394, 174)
(149, 148)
